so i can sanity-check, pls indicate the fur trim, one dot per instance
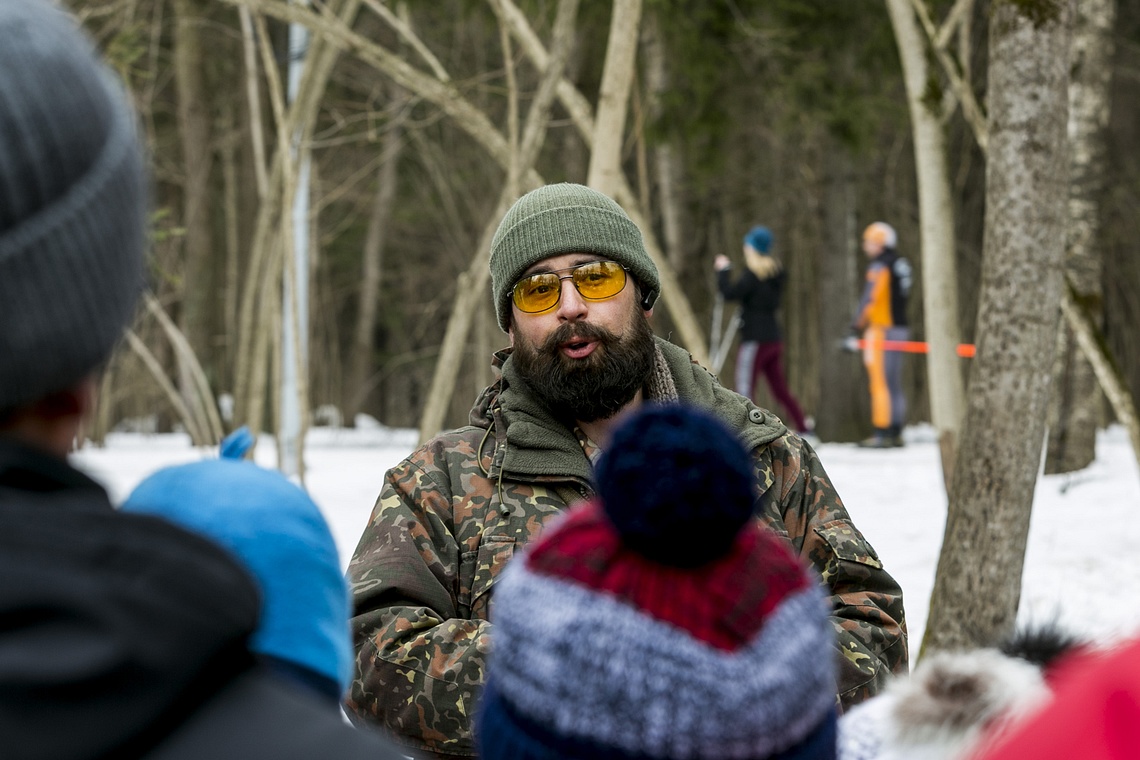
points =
(943, 709)
(1043, 645)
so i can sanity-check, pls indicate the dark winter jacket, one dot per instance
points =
(122, 636)
(452, 514)
(759, 300)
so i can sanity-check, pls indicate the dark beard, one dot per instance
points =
(593, 388)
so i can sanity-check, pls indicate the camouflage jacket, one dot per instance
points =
(451, 515)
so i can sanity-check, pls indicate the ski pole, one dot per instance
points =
(965, 350)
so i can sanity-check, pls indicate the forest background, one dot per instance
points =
(791, 114)
(387, 139)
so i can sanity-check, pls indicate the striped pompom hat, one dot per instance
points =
(659, 620)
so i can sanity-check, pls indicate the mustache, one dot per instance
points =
(577, 331)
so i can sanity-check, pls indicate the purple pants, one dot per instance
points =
(754, 358)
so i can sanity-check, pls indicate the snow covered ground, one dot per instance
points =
(1082, 566)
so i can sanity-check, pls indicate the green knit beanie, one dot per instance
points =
(565, 218)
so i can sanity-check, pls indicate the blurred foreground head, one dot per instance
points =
(72, 205)
(659, 620)
(278, 534)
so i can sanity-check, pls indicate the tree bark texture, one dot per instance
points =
(196, 133)
(936, 222)
(1077, 401)
(605, 170)
(666, 162)
(978, 581)
(842, 409)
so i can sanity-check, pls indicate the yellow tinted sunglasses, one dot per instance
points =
(595, 281)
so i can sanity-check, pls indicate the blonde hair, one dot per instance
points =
(762, 266)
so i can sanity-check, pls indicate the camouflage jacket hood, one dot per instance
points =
(453, 513)
(537, 445)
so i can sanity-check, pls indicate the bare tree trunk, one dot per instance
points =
(1078, 407)
(1094, 347)
(361, 364)
(230, 189)
(840, 413)
(605, 171)
(265, 265)
(194, 129)
(936, 216)
(978, 582)
(666, 161)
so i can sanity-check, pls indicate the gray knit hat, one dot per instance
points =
(565, 218)
(72, 204)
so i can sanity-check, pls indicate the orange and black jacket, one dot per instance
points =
(884, 299)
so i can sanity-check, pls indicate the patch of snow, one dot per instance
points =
(1082, 563)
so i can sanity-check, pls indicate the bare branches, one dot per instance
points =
(409, 36)
(959, 85)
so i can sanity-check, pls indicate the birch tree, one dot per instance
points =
(978, 582)
(936, 223)
(261, 296)
(605, 174)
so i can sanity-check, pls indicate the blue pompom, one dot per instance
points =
(677, 484)
(237, 444)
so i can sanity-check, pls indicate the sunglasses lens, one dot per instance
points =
(537, 293)
(600, 279)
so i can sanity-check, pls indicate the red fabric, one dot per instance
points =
(769, 362)
(723, 603)
(1094, 715)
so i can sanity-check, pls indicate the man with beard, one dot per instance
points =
(574, 288)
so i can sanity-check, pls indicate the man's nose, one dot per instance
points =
(571, 305)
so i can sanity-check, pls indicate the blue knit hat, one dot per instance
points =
(660, 620)
(279, 535)
(759, 238)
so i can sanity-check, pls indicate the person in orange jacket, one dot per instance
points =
(882, 316)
